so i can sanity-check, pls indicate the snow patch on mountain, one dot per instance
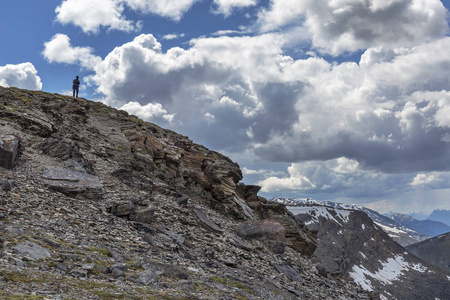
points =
(392, 231)
(391, 270)
(337, 215)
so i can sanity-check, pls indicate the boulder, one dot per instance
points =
(57, 148)
(118, 270)
(7, 185)
(272, 233)
(132, 212)
(9, 146)
(32, 250)
(146, 277)
(73, 183)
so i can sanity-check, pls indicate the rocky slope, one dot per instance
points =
(351, 244)
(435, 250)
(97, 204)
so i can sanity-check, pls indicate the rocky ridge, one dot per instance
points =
(435, 251)
(97, 204)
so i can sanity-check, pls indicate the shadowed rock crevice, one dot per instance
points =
(9, 149)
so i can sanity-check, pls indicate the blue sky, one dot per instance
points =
(344, 100)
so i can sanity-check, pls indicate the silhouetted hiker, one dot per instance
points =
(76, 86)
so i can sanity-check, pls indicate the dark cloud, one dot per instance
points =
(279, 109)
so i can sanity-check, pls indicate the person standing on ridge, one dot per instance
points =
(76, 86)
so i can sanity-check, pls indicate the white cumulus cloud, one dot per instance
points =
(151, 112)
(174, 9)
(226, 7)
(59, 50)
(172, 36)
(423, 179)
(92, 15)
(22, 75)
(341, 177)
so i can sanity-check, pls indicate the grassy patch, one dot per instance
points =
(219, 280)
(102, 251)
(109, 295)
(226, 282)
(26, 100)
(16, 277)
(19, 297)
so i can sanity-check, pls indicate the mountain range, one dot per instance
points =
(428, 227)
(397, 231)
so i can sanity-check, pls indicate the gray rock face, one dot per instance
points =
(32, 250)
(73, 183)
(60, 149)
(9, 146)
